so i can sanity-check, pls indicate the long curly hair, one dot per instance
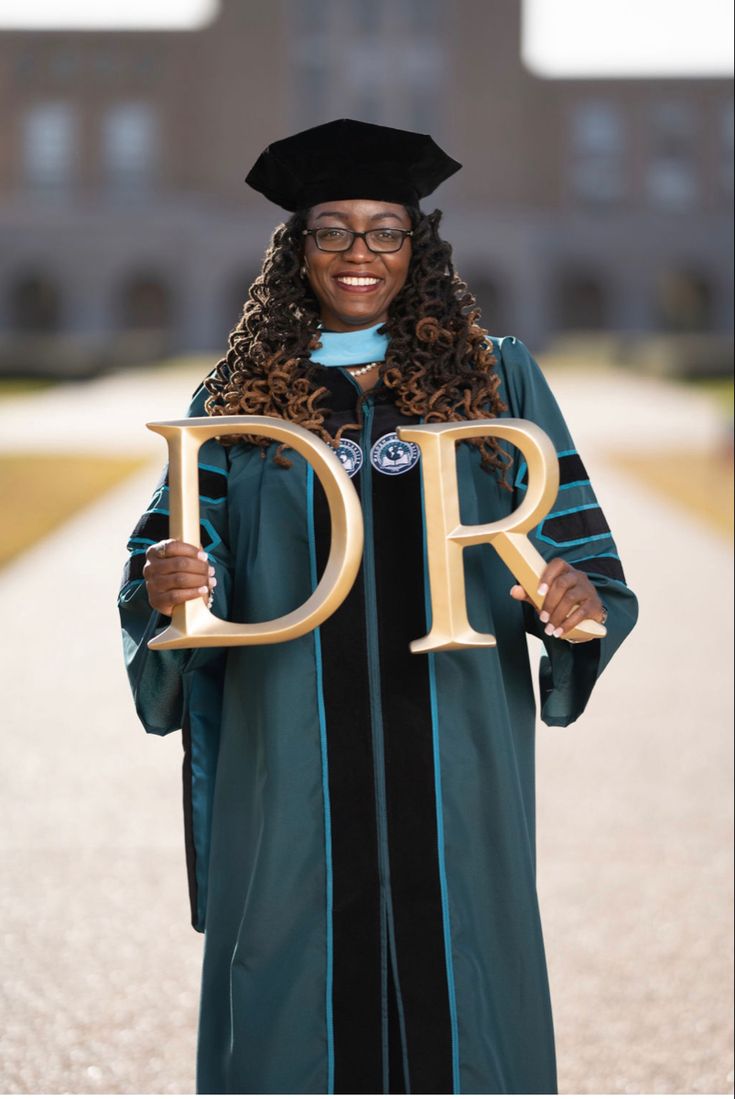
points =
(439, 363)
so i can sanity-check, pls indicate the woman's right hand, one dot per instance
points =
(175, 572)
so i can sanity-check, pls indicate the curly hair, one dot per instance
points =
(439, 363)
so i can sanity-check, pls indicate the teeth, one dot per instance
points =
(354, 280)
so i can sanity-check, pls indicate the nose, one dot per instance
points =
(359, 252)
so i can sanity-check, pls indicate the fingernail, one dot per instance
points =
(543, 589)
(202, 556)
(213, 581)
(204, 591)
(558, 632)
(211, 571)
(549, 630)
(544, 616)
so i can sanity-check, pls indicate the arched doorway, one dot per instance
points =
(581, 303)
(144, 319)
(234, 297)
(492, 301)
(684, 302)
(35, 305)
(145, 302)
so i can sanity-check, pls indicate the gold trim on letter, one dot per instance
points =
(192, 624)
(446, 536)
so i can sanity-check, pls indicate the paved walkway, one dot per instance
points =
(100, 969)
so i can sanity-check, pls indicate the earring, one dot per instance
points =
(302, 271)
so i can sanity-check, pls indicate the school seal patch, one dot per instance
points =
(350, 455)
(392, 456)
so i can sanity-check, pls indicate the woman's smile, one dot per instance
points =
(357, 284)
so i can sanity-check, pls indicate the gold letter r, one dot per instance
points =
(446, 536)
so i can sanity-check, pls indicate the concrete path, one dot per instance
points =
(100, 968)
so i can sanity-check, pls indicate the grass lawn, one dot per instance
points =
(38, 492)
(23, 387)
(700, 482)
(721, 390)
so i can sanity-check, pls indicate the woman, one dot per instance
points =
(360, 820)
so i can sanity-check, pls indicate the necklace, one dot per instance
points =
(362, 369)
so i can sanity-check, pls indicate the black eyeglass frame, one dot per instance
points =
(353, 233)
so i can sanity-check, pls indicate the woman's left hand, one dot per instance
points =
(569, 598)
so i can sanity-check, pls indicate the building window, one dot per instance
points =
(368, 59)
(65, 64)
(49, 134)
(366, 16)
(671, 178)
(596, 162)
(129, 148)
(311, 60)
(416, 15)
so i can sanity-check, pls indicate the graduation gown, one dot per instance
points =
(360, 820)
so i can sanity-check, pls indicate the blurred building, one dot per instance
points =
(584, 205)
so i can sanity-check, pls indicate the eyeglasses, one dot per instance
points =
(333, 239)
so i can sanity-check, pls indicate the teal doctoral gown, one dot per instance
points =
(360, 820)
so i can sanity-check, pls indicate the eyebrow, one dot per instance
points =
(344, 217)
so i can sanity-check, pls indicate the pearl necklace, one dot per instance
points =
(362, 369)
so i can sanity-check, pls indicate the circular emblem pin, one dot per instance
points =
(350, 456)
(392, 456)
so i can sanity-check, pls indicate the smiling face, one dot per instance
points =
(356, 288)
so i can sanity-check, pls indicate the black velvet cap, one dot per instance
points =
(349, 159)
